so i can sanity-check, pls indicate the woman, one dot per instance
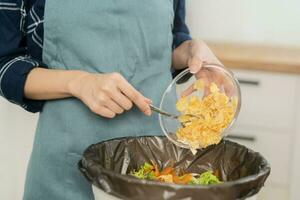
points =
(94, 67)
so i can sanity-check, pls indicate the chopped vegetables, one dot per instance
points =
(168, 175)
(206, 178)
(214, 113)
(146, 171)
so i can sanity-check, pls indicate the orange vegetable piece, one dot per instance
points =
(167, 171)
(185, 179)
(156, 170)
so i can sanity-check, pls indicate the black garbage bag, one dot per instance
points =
(107, 164)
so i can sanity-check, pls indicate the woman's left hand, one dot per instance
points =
(195, 53)
(198, 54)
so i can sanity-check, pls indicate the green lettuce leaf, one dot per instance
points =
(144, 172)
(206, 178)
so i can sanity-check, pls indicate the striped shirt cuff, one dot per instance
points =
(13, 75)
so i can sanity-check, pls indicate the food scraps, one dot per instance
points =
(151, 172)
(204, 119)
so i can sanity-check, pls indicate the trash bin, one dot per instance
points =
(107, 164)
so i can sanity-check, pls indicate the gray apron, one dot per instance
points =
(132, 37)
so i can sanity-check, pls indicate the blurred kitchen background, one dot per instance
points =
(260, 42)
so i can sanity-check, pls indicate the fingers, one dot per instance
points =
(205, 75)
(188, 91)
(224, 83)
(102, 111)
(105, 107)
(228, 88)
(136, 97)
(114, 107)
(105, 112)
(110, 94)
(121, 100)
(218, 78)
(195, 64)
(209, 76)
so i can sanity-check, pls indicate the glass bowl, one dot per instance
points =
(215, 73)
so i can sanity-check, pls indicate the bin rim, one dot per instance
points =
(128, 178)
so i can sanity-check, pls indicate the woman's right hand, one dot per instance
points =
(107, 94)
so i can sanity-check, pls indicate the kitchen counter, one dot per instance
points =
(262, 58)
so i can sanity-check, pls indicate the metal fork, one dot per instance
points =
(156, 109)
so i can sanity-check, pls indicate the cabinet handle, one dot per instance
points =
(248, 82)
(240, 137)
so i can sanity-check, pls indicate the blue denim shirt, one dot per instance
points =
(21, 45)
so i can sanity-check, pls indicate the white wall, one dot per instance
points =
(295, 194)
(16, 137)
(275, 22)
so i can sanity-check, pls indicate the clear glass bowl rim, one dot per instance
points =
(183, 73)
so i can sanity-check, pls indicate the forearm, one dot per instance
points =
(180, 55)
(47, 84)
(105, 94)
(192, 54)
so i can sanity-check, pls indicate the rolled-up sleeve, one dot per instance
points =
(15, 63)
(180, 31)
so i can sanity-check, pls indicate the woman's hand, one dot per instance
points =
(199, 55)
(195, 54)
(108, 94)
(192, 54)
(105, 94)
(212, 75)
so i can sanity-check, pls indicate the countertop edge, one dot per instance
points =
(257, 57)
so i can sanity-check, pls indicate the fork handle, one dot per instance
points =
(155, 109)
